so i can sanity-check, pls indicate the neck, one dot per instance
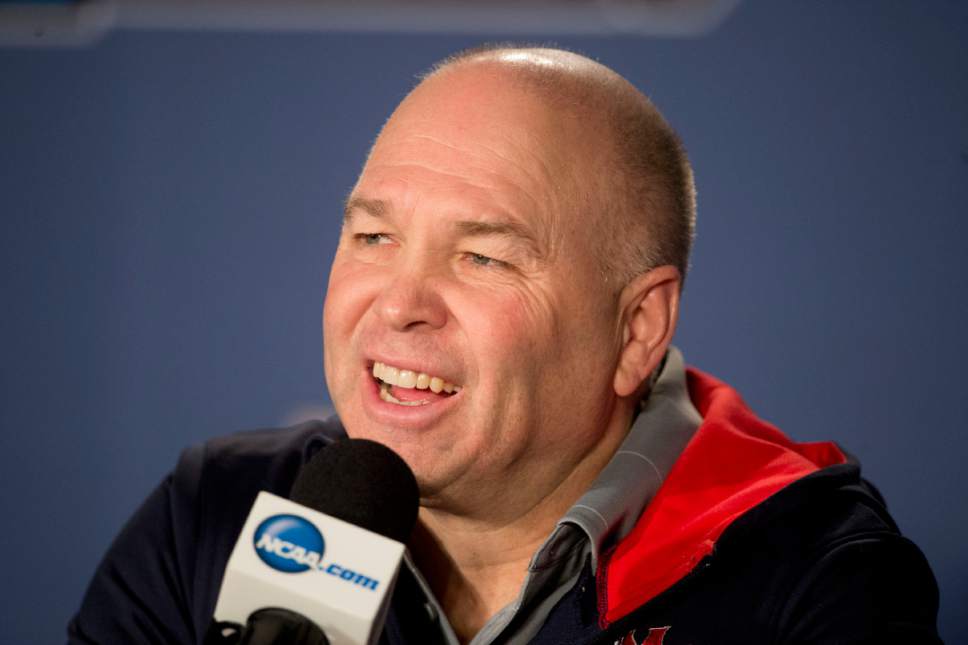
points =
(473, 569)
(476, 563)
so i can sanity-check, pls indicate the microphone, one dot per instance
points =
(319, 568)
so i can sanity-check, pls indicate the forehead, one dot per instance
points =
(474, 138)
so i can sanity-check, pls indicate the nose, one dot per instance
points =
(411, 300)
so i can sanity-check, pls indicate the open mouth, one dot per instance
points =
(409, 388)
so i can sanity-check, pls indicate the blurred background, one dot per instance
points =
(171, 177)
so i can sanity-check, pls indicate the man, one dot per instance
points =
(500, 311)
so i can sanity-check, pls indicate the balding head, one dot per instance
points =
(642, 202)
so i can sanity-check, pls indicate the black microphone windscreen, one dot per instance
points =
(361, 482)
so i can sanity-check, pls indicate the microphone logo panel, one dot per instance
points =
(289, 543)
(292, 544)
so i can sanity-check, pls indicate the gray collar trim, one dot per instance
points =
(613, 504)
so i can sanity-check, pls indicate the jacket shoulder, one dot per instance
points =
(841, 569)
(160, 578)
(253, 460)
(821, 561)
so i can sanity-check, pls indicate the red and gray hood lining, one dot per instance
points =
(734, 462)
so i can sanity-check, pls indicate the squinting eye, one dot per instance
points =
(484, 261)
(371, 239)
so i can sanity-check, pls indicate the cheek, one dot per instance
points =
(350, 290)
(347, 299)
(513, 331)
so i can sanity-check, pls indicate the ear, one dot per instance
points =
(650, 310)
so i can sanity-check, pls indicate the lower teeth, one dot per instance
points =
(389, 398)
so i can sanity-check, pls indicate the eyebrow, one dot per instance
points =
(372, 207)
(503, 228)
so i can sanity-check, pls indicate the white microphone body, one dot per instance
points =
(334, 573)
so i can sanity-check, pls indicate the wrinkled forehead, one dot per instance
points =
(482, 114)
(479, 126)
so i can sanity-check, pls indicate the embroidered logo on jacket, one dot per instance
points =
(655, 637)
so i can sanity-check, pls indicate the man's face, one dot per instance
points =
(465, 258)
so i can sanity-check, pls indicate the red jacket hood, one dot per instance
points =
(734, 462)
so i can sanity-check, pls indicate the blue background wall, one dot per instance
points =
(170, 202)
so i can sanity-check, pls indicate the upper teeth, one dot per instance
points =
(410, 379)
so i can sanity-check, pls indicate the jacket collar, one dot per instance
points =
(608, 511)
(734, 462)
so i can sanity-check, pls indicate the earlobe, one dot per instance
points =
(650, 310)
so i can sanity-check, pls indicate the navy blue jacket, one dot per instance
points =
(792, 552)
